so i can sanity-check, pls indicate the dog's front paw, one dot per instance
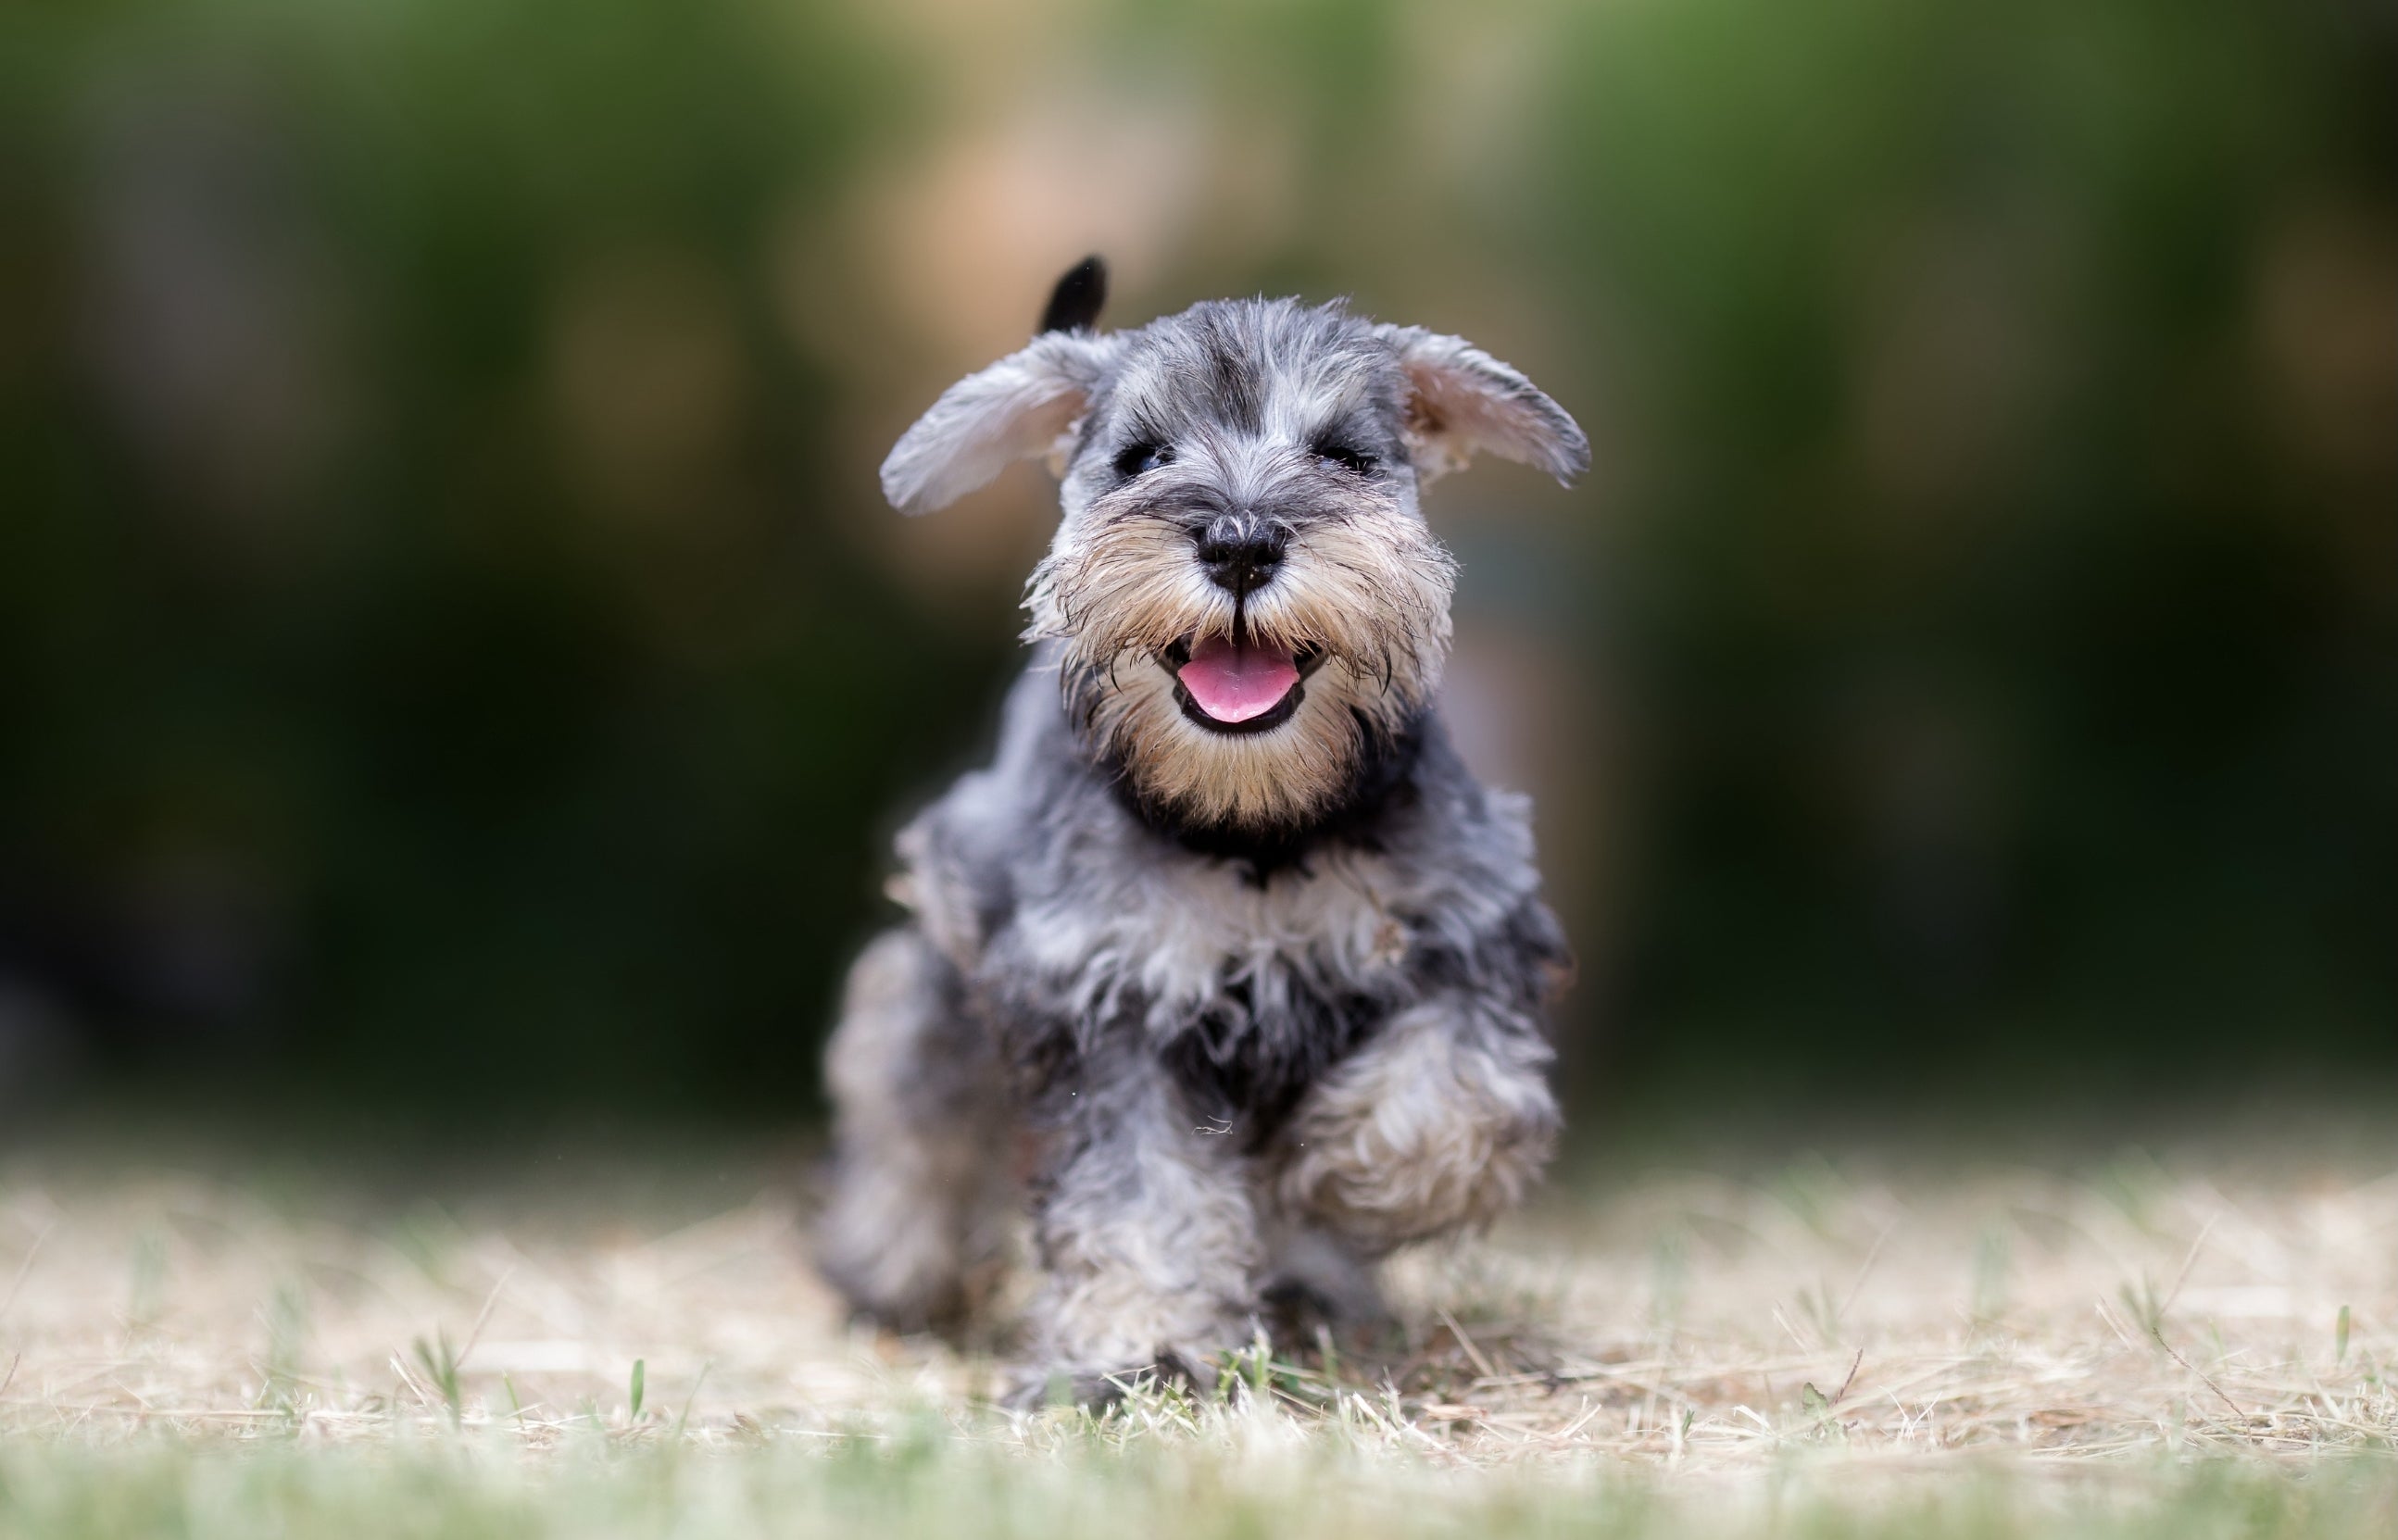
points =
(1439, 1125)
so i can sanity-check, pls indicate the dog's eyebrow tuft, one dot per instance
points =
(1081, 294)
(1143, 423)
(1349, 429)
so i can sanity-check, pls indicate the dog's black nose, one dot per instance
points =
(1241, 553)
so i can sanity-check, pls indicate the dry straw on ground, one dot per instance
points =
(1673, 1320)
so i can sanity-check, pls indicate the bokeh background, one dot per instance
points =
(454, 664)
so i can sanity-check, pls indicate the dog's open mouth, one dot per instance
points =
(1228, 686)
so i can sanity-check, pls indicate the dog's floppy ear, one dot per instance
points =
(1016, 409)
(1462, 400)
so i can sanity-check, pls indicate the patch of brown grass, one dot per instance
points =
(1680, 1319)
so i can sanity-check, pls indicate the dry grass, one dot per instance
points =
(1684, 1331)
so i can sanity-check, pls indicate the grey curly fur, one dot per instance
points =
(1234, 1013)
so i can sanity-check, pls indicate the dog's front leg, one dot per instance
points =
(1146, 1228)
(1440, 1122)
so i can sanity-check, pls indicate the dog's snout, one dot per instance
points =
(1241, 553)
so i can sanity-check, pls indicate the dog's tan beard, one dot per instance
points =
(1369, 591)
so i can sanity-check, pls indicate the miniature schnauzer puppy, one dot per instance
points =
(1226, 963)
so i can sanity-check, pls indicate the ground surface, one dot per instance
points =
(2190, 1343)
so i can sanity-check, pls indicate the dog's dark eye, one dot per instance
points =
(1355, 461)
(1139, 459)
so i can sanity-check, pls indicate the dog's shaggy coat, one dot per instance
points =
(1250, 1002)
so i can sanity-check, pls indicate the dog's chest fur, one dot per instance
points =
(1182, 934)
(1080, 931)
(1248, 988)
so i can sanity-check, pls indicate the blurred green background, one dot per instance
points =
(453, 655)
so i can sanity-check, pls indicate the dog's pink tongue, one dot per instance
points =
(1234, 683)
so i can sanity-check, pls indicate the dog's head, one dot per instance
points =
(1249, 603)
